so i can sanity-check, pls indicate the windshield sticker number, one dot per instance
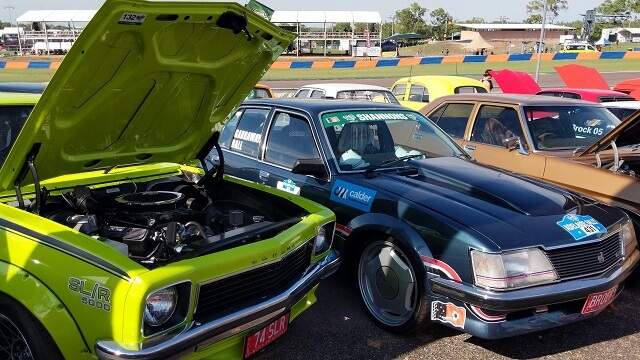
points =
(580, 226)
(352, 195)
(132, 19)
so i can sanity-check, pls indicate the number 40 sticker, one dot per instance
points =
(132, 19)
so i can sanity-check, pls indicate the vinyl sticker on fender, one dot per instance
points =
(448, 313)
(289, 186)
(353, 195)
(581, 226)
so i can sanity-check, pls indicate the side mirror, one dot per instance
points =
(513, 143)
(312, 167)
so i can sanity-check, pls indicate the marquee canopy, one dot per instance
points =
(56, 16)
(370, 17)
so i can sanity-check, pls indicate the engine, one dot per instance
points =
(154, 226)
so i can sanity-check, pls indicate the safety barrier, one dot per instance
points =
(386, 62)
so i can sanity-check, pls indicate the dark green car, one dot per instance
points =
(429, 235)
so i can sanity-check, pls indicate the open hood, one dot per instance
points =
(515, 82)
(578, 76)
(145, 84)
(625, 134)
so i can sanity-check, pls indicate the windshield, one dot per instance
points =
(382, 96)
(367, 139)
(568, 127)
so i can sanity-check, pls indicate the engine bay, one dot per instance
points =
(167, 220)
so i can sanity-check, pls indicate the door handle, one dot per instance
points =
(469, 147)
(263, 175)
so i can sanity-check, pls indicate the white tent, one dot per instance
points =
(603, 41)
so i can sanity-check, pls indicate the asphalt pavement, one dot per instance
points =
(337, 328)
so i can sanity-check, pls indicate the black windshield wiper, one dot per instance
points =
(389, 162)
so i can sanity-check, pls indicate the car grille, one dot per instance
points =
(253, 286)
(587, 259)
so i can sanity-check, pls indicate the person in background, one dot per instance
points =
(486, 79)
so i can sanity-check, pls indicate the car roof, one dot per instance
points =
(431, 78)
(334, 88)
(316, 106)
(622, 104)
(583, 91)
(519, 99)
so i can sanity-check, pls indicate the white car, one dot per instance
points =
(347, 91)
(622, 109)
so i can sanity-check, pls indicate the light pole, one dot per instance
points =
(10, 19)
(544, 20)
(393, 21)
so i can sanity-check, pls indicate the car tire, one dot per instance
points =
(22, 336)
(390, 281)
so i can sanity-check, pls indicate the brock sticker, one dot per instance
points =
(581, 226)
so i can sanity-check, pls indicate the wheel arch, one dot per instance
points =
(41, 302)
(375, 223)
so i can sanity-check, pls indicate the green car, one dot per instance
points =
(117, 239)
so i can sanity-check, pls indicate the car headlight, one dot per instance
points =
(324, 238)
(160, 305)
(629, 241)
(511, 270)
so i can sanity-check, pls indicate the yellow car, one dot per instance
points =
(416, 91)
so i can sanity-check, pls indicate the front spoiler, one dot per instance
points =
(199, 336)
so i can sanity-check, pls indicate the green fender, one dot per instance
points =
(42, 303)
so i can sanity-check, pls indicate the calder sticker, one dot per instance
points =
(289, 186)
(352, 195)
(581, 226)
(448, 313)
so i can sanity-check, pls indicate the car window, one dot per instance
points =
(490, 128)
(418, 93)
(290, 139)
(368, 95)
(469, 90)
(361, 139)
(453, 119)
(317, 94)
(302, 93)
(399, 90)
(248, 133)
(568, 126)
(227, 133)
(12, 119)
(258, 93)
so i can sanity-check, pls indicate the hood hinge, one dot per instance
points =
(29, 166)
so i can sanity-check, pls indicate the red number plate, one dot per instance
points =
(265, 336)
(597, 301)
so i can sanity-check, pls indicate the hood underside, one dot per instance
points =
(515, 82)
(145, 82)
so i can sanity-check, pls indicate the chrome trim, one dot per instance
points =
(196, 335)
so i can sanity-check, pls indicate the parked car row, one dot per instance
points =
(155, 207)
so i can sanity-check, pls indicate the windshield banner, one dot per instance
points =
(346, 117)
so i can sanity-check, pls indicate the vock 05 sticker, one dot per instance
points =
(352, 195)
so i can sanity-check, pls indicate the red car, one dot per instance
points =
(518, 82)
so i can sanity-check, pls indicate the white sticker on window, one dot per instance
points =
(132, 19)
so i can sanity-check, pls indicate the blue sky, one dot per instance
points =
(489, 10)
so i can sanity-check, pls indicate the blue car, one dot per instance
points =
(429, 235)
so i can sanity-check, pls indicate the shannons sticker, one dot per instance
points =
(581, 226)
(353, 195)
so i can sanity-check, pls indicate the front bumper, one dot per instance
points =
(198, 336)
(551, 296)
